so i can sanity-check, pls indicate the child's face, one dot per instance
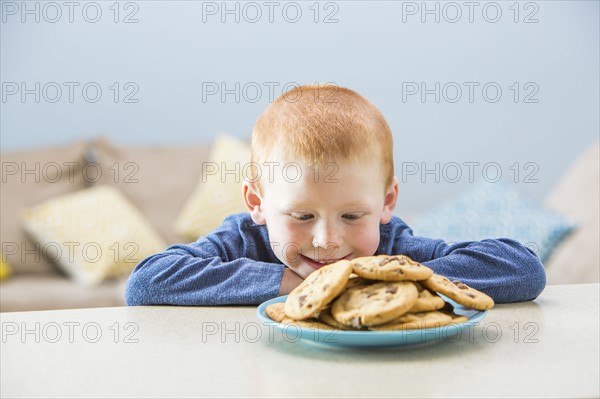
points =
(323, 214)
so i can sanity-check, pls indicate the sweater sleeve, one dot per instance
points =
(502, 268)
(219, 269)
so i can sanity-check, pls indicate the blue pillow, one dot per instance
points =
(494, 210)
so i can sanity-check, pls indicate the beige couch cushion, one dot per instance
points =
(56, 171)
(94, 234)
(219, 192)
(577, 258)
(158, 180)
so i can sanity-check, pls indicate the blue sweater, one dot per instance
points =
(234, 265)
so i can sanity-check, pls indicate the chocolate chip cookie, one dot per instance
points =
(390, 268)
(427, 301)
(317, 290)
(411, 321)
(374, 304)
(459, 292)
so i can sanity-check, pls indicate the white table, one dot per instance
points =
(549, 348)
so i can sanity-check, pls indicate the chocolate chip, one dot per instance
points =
(385, 261)
(301, 300)
(391, 290)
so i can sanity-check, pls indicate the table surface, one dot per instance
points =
(547, 347)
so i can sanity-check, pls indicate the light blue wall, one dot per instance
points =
(374, 48)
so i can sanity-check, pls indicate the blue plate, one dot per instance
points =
(366, 339)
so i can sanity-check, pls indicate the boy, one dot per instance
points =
(324, 190)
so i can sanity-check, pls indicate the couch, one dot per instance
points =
(158, 184)
(159, 181)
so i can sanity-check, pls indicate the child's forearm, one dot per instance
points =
(502, 268)
(183, 275)
(289, 281)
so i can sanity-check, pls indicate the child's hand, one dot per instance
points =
(289, 281)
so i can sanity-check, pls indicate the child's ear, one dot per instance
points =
(253, 201)
(389, 202)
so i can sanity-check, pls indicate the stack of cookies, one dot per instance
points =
(376, 293)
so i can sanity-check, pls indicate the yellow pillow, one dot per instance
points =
(219, 192)
(93, 234)
(4, 269)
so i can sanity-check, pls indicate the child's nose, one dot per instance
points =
(326, 236)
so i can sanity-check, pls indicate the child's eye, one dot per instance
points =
(301, 216)
(352, 216)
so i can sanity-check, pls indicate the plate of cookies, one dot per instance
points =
(375, 301)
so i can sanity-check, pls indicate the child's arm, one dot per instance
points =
(289, 281)
(220, 269)
(502, 268)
